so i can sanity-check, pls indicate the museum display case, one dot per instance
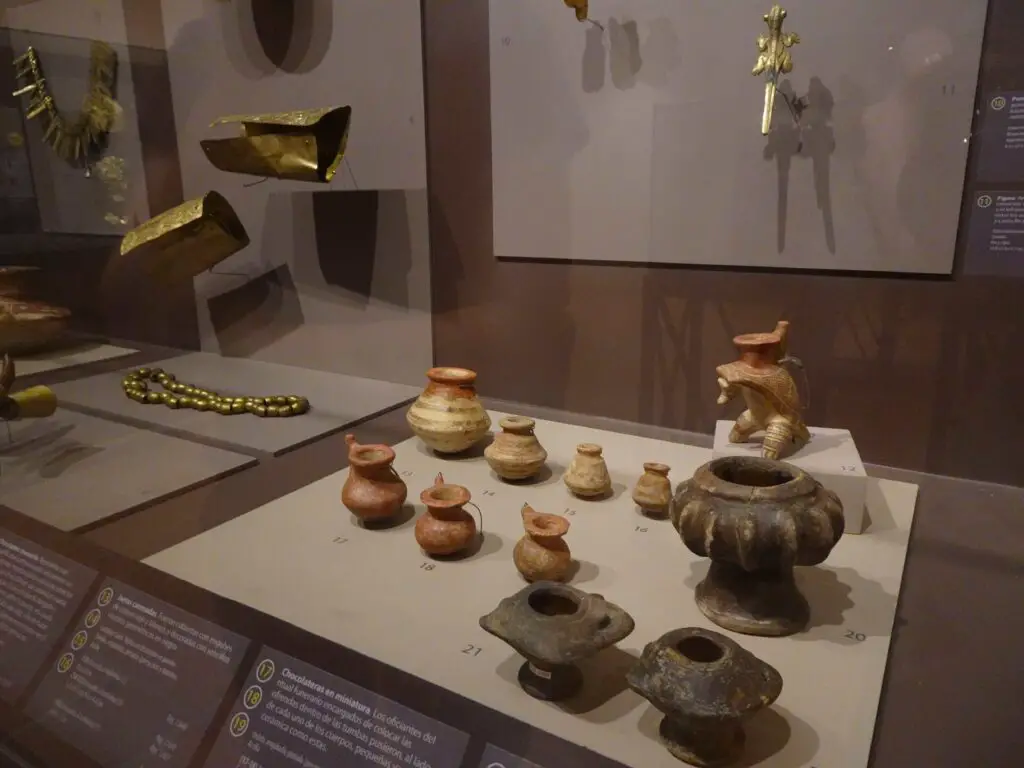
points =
(510, 384)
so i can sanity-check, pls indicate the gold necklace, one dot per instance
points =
(181, 395)
(75, 141)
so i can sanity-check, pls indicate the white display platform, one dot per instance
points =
(337, 400)
(73, 470)
(831, 456)
(68, 357)
(304, 559)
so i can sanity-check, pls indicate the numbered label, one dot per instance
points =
(641, 529)
(506, 41)
(339, 540)
(407, 473)
(472, 650)
(569, 512)
(488, 493)
(858, 637)
(427, 566)
(849, 468)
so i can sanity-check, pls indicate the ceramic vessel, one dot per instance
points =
(447, 528)
(26, 326)
(515, 453)
(768, 389)
(555, 626)
(448, 416)
(707, 686)
(373, 491)
(756, 518)
(542, 554)
(587, 476)
(653, 491)
(14, 280)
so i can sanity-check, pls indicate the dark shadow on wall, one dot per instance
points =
(258, 313)
(264, 36)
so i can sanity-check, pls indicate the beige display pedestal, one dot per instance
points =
(304, 559)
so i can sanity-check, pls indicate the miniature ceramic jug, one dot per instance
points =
(769, 392)
(707, 686)
(446, 528)
(653, 491)
(587, 476)
(448, 416)
(516, 454)
(542, 554)
(373, 491)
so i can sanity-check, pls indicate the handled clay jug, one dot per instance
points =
(447, 528)
(373, 491)
(542, 554)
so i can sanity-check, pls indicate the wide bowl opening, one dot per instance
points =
(450, 493)
(551, 603)
(372, 455)
(752, 475)
(701, 650)
(448, 375)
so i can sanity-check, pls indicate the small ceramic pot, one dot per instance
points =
(653, 492)
(755, 519)
(516, 454)
(446, 528)
(448, 417)
(587, 476)
(373, 491)
(555, 626)
(707, 686)
(27, 326)
(542, 554)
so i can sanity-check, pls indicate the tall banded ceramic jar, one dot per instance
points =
(448, 417)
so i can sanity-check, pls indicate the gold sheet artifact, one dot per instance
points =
(307, 145)
(185, 241)
(773, 60)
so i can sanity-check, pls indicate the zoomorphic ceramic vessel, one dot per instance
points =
(707, 686)
(653, 491)
(447, 528)
(769, 391)
(515, 453)
(756, 519)
(373, 491)
(555, 626)
(448, 417)
(542, 554)
(587, 475)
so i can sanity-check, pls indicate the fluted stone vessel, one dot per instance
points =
(707, 686)
(555, 626)
(756, 519)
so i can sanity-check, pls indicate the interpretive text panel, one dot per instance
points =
(995, 242)
(292, 714)
(139, 682)
(1001, 155)
(39, 592)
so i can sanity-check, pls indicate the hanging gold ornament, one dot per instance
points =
(306, 145)
(773, 60)
(76, 141)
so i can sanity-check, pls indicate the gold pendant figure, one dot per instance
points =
(773, 60)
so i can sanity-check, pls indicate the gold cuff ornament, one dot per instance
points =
(32, 403)
(306, 145)
(185, 241)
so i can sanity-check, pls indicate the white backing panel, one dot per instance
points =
(303, 559)
(642, 142)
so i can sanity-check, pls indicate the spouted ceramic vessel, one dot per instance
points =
(542, 554)
(446, 528)
(373, 491)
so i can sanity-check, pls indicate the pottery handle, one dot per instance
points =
(350, 441)
(480, 514)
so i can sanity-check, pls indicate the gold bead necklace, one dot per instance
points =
(177, 394)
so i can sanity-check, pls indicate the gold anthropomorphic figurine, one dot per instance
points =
(773, 60)
(769, 391)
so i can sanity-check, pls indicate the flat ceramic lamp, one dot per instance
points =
(306, 145)
(185, 241)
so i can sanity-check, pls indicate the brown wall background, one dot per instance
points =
(925, 372)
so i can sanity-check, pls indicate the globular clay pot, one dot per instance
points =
(756, 519)
(542, 554)
(515, 453)
(707, 686)
(653, 491)
(555, 626)
(373, 491)
(448, 417)
(446, 528)
(587, 476)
